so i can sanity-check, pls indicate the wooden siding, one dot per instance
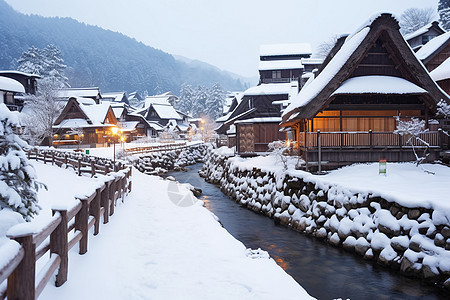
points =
(256, 137)
(445, 85)
(245, 138)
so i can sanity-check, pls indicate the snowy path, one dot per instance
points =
(153, 249)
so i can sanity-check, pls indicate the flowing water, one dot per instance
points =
(326, 272)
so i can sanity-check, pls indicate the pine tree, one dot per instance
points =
(17, 177)
(444, 13)
(215, 101)
(185, 103)
(199, 101)
(31, 61)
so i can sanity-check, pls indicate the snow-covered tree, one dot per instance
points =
(215, 101)
(415, 18)
(199, 101)
(280, 150)
(444, 13)
(48, 63)
(443, 109)
(185, 102)
(17, 177)
(325, 47)
(31, 61)
(413, 128)
(42, 111)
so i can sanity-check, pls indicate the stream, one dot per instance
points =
(326, 272)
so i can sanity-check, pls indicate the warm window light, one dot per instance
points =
(114, 130)
(55, 135)
(288, 143)
(202, 128)
(202, 121)
(122, 139)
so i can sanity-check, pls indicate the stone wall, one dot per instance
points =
(413, 240)
(157, 163)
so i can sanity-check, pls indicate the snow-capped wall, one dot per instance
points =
(414, 240)
(156, 163)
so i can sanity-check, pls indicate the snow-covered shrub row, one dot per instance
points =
(156, 163)
(415, 241)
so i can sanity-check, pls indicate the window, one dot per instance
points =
(276, 74)
(250, 103)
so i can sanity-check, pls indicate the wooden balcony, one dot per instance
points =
(342, 148)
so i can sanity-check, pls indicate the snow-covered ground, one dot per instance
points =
(154, 249)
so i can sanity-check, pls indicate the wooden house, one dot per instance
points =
(93, 120)
(423, 35)
(435, 52)
(346, 114)
(13, 99)
(8, 89)
(256, 118)
(158, 109)
(282, 63)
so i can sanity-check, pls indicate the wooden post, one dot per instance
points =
(105, 202)
(29, 154)
(65, 160)
(21, 282)
(92, 168)
(94, 210)
(112, 192)
(53, 158)
(59, 245)
(79, 166)
(370, 144)
(45, 158)
(129, 180)
(81, 224)
(319, 151)
(106, 169)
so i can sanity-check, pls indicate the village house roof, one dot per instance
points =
(315, 96)
(10, 72)
(442, 72)
(11, 85)
(78, 92)
(266, 65)
(423, 30)
(433, 47)
(285, 49)
(88, 115)
(115, 97)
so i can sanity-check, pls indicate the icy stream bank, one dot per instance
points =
(412, 238)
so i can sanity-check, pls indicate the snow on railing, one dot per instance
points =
(80, 163)
(18, 265)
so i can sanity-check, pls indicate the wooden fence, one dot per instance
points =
(79, 162)
(53, 239)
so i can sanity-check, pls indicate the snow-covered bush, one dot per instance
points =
(443, 109)
(17, 177)
(280, 150)
(413, 128)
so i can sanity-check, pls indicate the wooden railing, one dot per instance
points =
(20, 269)
(79, 162)
(366, 139)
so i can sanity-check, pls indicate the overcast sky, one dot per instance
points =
(224, 33)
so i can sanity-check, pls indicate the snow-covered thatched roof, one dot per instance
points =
(376, 84)
(91, 92)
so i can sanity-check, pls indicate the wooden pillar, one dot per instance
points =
(79, 166)
(319, 152)
(21, 282)
(59, 245)
(82, 223)
(94, 210)
(92, 168)
(105, 202)
(112, 192)
(129, 180)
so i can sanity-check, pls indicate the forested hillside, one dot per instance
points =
(98, 57)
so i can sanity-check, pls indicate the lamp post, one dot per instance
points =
(114, 131)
